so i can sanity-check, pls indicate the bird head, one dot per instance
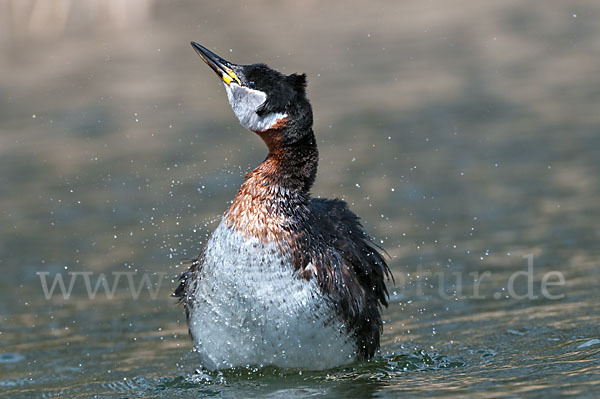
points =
(264, 100)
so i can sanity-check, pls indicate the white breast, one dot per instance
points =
(251, 309)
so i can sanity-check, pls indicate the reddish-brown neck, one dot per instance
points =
(273, 137)
(277, 191)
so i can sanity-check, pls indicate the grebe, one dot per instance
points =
(285, 279)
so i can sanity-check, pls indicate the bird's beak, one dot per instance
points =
(219, 65)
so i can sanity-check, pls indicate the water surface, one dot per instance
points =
(465, 137)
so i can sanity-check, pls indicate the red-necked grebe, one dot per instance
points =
(285, 279)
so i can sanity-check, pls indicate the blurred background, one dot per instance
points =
(465, 134)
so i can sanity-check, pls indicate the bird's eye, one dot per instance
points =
(251, 84)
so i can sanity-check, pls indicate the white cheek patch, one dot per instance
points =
(245, 102)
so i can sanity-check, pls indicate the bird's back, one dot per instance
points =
(352, 270)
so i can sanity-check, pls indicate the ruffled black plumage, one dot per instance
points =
(350, 269)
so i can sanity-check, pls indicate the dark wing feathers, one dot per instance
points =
(187, 282)
(342, 229)
(361, 263)
(181, 291)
